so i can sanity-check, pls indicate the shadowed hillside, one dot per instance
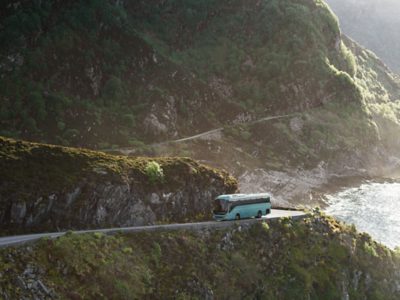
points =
(110, 74)
(49, 188)
(315, 258)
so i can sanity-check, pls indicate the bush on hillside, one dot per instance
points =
(154, 172)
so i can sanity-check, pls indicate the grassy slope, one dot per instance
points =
(360, 133)
(278, 57)
(215, 59)
(31, 174)
(28, 166)
(197, 66)
(80, 74)
(311, 259)
(254, 47)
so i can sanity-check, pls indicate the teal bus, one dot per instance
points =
(239, 206)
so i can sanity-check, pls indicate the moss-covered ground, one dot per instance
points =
(26, 167)
(316, 258)
(37, 179)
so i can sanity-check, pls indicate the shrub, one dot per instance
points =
(128, 120)
(60, 125)
(370, 249)
(154, 172)
(113, 90)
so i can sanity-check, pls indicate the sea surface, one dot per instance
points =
(371, 207)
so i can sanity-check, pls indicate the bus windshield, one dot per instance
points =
(220, 206)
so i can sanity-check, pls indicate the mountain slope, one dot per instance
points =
(374, 25)
(105, 74)
(316, 258)
(49, 188)
(89, 73)
(78, 73)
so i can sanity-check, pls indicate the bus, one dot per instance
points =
(239, 206)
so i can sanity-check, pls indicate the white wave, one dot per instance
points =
(373, 208)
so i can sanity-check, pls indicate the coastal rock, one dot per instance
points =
(74, 195)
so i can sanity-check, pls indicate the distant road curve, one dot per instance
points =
(129, 150)
(275, 214)
(222, 128)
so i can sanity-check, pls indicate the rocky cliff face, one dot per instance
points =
(157, 71)
(296, 154)
(53, 188)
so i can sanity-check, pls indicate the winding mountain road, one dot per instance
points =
(130, 150)
(274, 215)
(210, 132)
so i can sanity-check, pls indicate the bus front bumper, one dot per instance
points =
(219, 217)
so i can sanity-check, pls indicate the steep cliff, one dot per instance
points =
(106, 73)
(297, 155)
(315, 258)
(372, 24)
(115, 74)
(45, 187)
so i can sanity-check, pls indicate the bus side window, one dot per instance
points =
(269, 200)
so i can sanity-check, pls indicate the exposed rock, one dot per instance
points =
(222, 87)
(95, 75)
(18, 211)
(284, 186)
(120, 195)
(296, 124)
(31, 285)
(251, 261)
(162, 120)
(155, 60)
(154, 199)
(244, 117)
(116, 205)
(154, 126)
(197, 288)
(248, 64)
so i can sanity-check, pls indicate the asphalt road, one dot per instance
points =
(130, 150)
(275, 214)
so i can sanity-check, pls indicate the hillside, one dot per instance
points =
(316, 258)
(98, 73)
(374, 25)
(105, 74)
(292, 106)
(50, 188)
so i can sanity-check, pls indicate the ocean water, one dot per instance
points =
(373, 208)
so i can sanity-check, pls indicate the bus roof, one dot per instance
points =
(237, 197)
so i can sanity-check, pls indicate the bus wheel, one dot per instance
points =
(259, 214)
(268, 211)
(237, 217)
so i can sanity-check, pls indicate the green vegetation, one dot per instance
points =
(44, 188)
(310, 259)
(43, 87)
(27, 166)
(155, 70)
(255, 48)
(381, 22)
(91, 73)
(154, 172)
(80, 74)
